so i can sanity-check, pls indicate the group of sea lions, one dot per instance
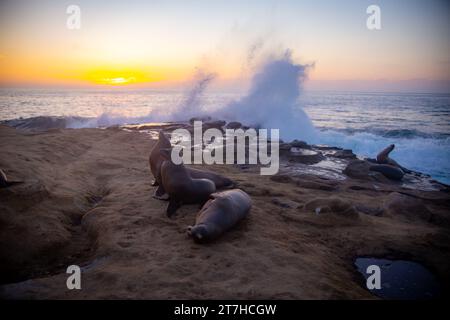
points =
(220, 210)
(182, 185)
(387, 166)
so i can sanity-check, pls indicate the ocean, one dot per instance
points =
(418, 124)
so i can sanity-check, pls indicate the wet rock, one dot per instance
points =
(300, 144)
(411, 208)
(213, 124)
(304, 156)
(40, 123)
(285, 203)
(344, 154)
(332, 205)
(325, 147)
(166, 127)
(114, 128)
(234, 125)
(203, 119)
(285, 147)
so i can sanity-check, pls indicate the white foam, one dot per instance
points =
(273, 101)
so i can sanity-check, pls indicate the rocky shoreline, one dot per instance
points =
(86, 200)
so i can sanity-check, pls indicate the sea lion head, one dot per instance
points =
(199, 233)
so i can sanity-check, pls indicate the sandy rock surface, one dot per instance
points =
(86, 200)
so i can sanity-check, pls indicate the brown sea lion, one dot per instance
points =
(180, 186)
(389, 171)
(156, 159)
(383, 158)
(223, 211)
(219, 180)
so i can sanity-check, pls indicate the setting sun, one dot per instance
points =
(118, 81)
(118, 77)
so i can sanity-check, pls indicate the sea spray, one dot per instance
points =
(188, 106)
(273, 101)
(191, 105)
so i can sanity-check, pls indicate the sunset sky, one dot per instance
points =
(161, 43)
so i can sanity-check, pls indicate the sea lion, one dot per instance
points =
(383, 158)
(4, 182)
(388, 171)
(219, 180)
(180, 186)
(155, 161)
(223, 211)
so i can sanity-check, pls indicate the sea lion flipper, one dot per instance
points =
(160, 193)
(172, 207)
(395, 164)
(383, 156)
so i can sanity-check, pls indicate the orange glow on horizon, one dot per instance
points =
(119, 77)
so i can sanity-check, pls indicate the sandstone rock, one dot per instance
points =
(316, 185)
(411, 208)
(281, 178)
(358, 169)
(332, 205)
(285, 203)
(371, 211)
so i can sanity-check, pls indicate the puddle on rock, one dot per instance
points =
(400, 279)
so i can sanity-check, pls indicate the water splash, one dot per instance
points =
(273, 101)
